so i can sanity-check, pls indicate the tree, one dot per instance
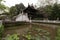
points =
(43, 3)
(2, 6)
(51, 11)
(56, 11)
(19, 7)
(47, 10)
(12, 11)
(15, 10)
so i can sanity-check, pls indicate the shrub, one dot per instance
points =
(58, 34)
(12, 37)
(1, 30)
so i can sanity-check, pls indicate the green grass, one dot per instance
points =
(58, 34)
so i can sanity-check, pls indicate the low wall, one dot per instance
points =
(13, 23)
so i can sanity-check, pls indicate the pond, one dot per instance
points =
(28, 32)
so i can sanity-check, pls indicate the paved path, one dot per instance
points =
(47, 21)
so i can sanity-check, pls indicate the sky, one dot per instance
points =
(10, 3)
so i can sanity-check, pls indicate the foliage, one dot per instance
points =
(51, 12)
(47, 10)
(28, 36)
(12, 37)
(2, 6)
(58, 34)
(12, 11)
(20, 7)
(37, 34)
(56, 11)
(1, 30)
(15, 10)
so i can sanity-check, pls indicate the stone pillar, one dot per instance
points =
(57, 18)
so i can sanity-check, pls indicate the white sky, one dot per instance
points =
(10, 3)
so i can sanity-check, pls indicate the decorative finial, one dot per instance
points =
(28, 4)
